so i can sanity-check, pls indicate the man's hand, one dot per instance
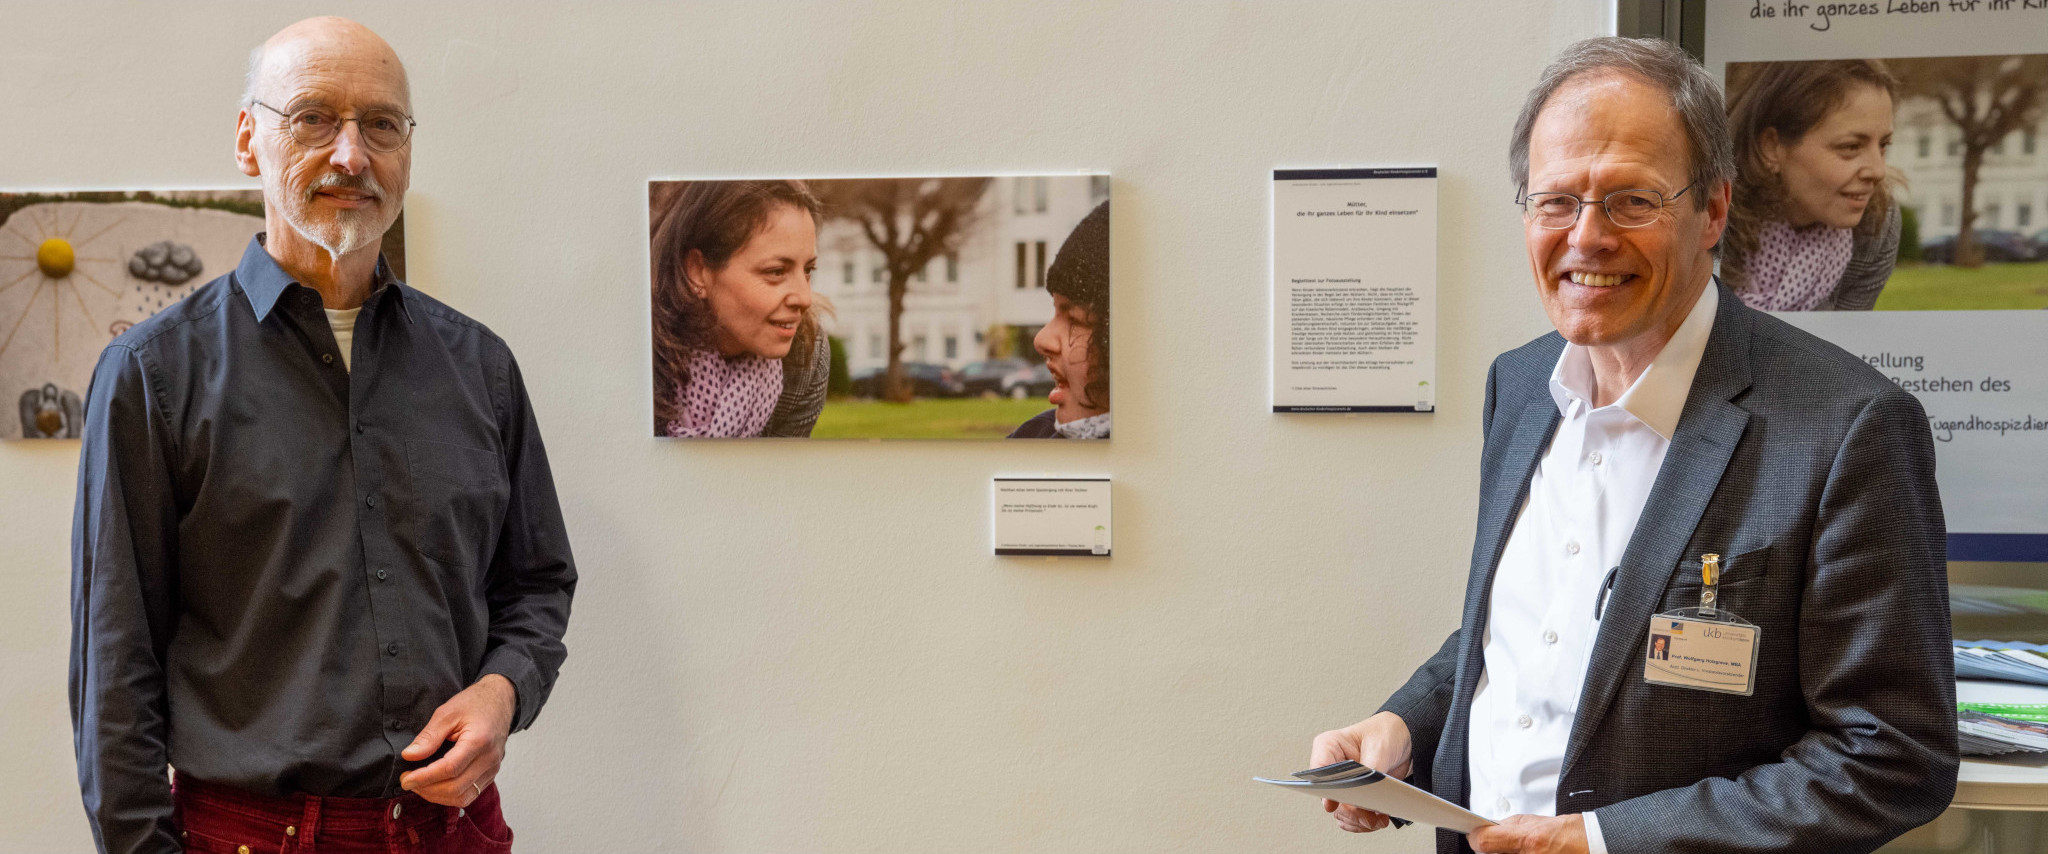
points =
(1532, 834)
(478, 720)
(1380, 742)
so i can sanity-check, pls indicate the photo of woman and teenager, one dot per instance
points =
(961, 308)
(1900, 184)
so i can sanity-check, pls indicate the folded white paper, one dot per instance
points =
(1381, 793)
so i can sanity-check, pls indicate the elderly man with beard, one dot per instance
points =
(318, 562)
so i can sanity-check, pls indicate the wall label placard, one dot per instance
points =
(1055, 517)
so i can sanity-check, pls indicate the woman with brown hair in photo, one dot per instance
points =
(1814, 226)
(737, 347)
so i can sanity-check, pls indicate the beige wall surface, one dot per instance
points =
(807, 646)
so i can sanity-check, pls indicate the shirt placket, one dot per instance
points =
(383, 573)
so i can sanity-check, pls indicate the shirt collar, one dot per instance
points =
(262, 281)
(1658, 396)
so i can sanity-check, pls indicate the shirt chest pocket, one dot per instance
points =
(458, 500)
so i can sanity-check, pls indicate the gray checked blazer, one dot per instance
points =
(1813, 477)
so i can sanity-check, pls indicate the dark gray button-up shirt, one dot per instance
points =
(280, 567)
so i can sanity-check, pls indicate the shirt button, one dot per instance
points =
(1550, 637)
(1524, 722)
(1503, 805)
(327, 357)
(244, 849)
(1597, 458)
(359, 427)
(1570, 548)
(395, 810)
(372, 501)
(291, 830)
(396, 725)
(380, 575)
(393, 649)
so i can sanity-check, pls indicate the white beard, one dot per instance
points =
(350, 230)
(347, 233)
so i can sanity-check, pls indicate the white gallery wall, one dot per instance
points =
(788, 646)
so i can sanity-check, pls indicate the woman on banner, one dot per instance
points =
(1814, 226)
(1075, 342)
(737, 347)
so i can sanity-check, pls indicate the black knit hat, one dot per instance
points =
(1081, 271)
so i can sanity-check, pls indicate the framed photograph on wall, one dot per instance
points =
(880, 308)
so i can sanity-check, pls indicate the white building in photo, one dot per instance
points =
(985, 301)
(2012, 185)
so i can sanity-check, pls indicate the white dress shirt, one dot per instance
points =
(1584, 499)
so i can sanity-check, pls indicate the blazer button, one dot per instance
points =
(329, 359)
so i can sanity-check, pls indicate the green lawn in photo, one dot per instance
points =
(1940, 287)
(925, 418)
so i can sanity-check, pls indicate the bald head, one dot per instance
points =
(333, 45)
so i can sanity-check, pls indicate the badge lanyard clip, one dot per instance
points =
(1710, 583)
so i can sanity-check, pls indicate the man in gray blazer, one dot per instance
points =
(1663, 421)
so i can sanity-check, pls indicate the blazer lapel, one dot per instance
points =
(1708, 429)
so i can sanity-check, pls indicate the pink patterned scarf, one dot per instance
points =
(1794, 269)
(727, 397)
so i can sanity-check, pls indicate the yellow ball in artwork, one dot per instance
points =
(56, 258)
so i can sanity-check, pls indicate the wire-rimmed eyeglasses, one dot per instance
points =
(1625, 208)
(313, 127)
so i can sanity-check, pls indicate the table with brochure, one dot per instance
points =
(2002, 718)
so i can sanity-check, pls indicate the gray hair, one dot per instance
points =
(254, 79)
(1695, 96)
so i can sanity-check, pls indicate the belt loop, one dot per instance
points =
(309, 826)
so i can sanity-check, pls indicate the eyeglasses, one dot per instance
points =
(313, 127)
(1625, 208)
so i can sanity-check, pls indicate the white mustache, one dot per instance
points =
(364, 183)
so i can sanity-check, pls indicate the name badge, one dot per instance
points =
(1704, 648)
(1711, 655)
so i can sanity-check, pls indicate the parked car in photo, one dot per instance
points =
(926, 380)
(1033, 381)
(2040, 240)
(983, 378)
(1999, 247)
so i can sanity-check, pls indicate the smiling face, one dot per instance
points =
(759, 297)
(1063, 341)
(341, 196)
(1622, 290)
(1831, 173)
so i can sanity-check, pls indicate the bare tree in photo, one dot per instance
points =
(911, 222)
(1986, 98)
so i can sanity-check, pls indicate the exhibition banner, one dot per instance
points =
(1933, 118)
